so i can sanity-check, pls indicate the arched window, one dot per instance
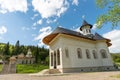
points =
(103, 53)
(58, 57)
(94, 54)
(51, 59)
(87, 53)
(79, 53)
(66, 53)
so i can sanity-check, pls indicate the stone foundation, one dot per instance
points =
(90, 69)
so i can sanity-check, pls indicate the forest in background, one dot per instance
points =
(41, 54)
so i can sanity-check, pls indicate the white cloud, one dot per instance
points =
(50, 8)
(75, 2)
(34, 28)
(39, 21)
(83, 16)
(114, 35)
(3, 30)
(43, 32)
(51, 21)
(25, 28)
(36, 23)
(94, 26)
(13, 5)
(35, 15)
(33, 35)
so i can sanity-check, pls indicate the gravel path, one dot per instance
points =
(75, 76)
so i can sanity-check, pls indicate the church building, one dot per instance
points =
(72, 51)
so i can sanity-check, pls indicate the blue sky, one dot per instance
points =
(30, 20)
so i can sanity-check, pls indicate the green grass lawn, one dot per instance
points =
(0, 67)
(30, 68)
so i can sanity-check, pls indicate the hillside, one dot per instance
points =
(40, 53)
(116, 57)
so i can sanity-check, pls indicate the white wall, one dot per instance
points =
(107, 61)
(54, 46)
(72, 43)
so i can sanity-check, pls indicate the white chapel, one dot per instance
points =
(72, 51)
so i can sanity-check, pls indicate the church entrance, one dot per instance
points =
(55, 59)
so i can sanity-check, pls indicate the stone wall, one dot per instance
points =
(89, 69)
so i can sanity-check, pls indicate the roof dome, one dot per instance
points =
(85, 23)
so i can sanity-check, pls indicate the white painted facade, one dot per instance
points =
(72, 51)
(72, 43)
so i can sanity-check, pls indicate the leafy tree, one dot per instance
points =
(47, 60)
(6, 50)
(1, 50)
(113, 13)
(116, 57)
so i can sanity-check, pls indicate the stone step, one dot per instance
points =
(54, 71)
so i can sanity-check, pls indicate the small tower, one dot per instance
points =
(86, 28)
(29, 53)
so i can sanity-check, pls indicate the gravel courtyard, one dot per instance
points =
(75, 76)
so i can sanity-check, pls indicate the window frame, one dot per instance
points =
(95, 56)
(79, 53)
(88, 54)
(66, 53)
(103, 53)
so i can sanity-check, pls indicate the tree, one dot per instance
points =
(43, 54)
(36, 54)
(116, 57)
(112, 15)
(17, 47)
(21, 49)
(6, 50)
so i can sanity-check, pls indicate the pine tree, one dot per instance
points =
(37, 55)
(17, 48)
